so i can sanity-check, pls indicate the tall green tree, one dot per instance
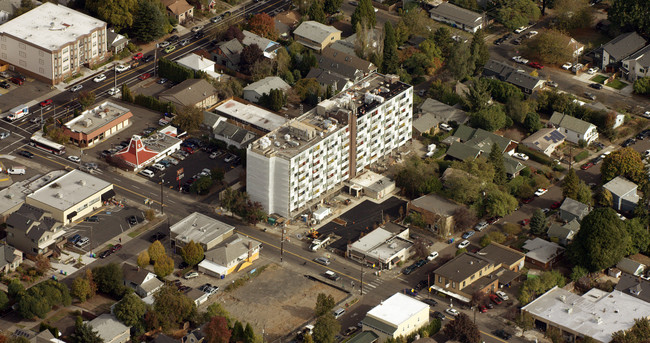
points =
(150, 22)
(479, 51)
(189, 118)
(390, 61)
(84, 333)
(625, 162)
(630, 15)
(326, 328)
(515, 13)
(324, 304)
(120, 14)
(639, 236)
(478, 95)
(496, 158)
(109, 279)
(499, 203)
(80, 289)
(462, 329)
(584, 194)
(532, 123)
(163, 266)
(639, 332)
(172, 307)
(442, 37)
(316, 12)
(364, 14)
(192, 253)
(156, 251)
(538, 222)
(601, 242)
(130, 310)
(491, 118)
(331, 6)
(550, 46)
(570, 184)
(463, 65)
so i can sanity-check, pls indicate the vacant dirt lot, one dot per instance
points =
(276, 301)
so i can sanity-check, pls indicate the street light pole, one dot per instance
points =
(162, 199)
(282, 245)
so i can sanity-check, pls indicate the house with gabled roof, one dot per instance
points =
(228, 54)
(637, 65)
(433, 113)
(573, 210)
(32, 231)
(191, 92)
(545, 140)
(254, 91)
(504, 72)
(179, 9)
(142, 281)
(542, 253)
(635, 286)
(616, 50)
(233, 134)
(574, 129)
(315, 35)
(269, 48)
(563, 233)
(110, 329)
(628, 265)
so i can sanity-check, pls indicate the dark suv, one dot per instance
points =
(132, 220)
(158, 236)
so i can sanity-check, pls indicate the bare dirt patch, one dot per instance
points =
(276, 301)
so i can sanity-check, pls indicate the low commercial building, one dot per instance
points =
(201, 229)
(545, 140)
(596, 314)
(142, 152)
(458, 17)
(315, 35)
(252, 117)
(72, 196)
(624, 193)
(372, 185)
(399, 315)
(94, 125)
(33, 231)
(110, 329)
(382, 248)
(235, 253)
(14, 196)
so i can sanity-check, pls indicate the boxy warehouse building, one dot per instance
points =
(295, 164)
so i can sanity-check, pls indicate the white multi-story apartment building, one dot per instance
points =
(314, 153)
(52, 42)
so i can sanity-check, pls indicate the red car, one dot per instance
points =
(17, 80)
(525, 222)
(482, 309)
(144, 76)
(536, 65)
(587, 165)
(137, 56)
(116, 247)
(46, 103)
(527, 200)
(188, 149)
(495, 299)
(555, 205)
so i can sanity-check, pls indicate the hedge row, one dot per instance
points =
(154, 104)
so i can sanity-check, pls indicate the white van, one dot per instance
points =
(338, 313)
(16, 170)
(147, 173)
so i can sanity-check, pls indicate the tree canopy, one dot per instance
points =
(390, 61)
(130, 310)
(263, 25)
(316, 12)
(120, 14)
(462, 329)
(516, 13)
(496, 158)
(538, 222)
(625, 162)
(192, 253)
(638, 333)
(364, 14)
(417, 177)
(109, 279)
(550, 46)
(601, 242)
(630, 15)
(172, 307)
(149, 23)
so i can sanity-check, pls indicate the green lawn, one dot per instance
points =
(616, 84)
(598, 78)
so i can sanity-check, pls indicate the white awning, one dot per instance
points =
(451, 294)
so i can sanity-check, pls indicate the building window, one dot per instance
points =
(463, 284)
(40, 53)
(22, 54)
(453, 284)
(3, 46)
(41, 70)
(21, 45)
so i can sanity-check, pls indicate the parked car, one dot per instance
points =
(432, 256)
(132, 220)
(439, 315)
(158, 236)
(170, 49)
(524, 222)
(74, 239)
(148, 58)
(99, 78)
(76, 88)
(322, 260)
(197, 28)
(464, 244)
(520, 156)
(527, 200)
(596, 85)
(5, 85)
(480, 226)
(230, 158)
(502, 295)
(137, 56)
(493, 220)
(411, 292)
(535, 65)
(495, 299)
(540, 192)
(92, 219)
(191, 275)
(468, 234)
(628, 142)
(147, 173)
(556, 205)
(592, 70)
(590, 96)
(430, 302)
(567, 66)
(163, 44)
(587, 165)
(482, 308)
(452, 311)
(408, 270)
(105, 253)
(17, 80)
(161, 81)
(552, 84)
(445, 127)
(83, 241)
(215, 19)
(502, 334)
(116, 247)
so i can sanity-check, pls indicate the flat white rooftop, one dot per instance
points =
(595, 314)
(70, 189)
(251, 114)
(372, 240)
(397, 309)
(372, 180)
(90, 120)
(51, 26)
(199, 228)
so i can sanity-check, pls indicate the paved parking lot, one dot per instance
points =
(17, 95)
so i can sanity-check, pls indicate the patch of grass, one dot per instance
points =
(581, 156)
(242, 280)
(616, 84)
(598, 79)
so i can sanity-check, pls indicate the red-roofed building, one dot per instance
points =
(137, 155)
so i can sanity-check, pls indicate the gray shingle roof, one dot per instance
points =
(436, 204)
(457, 14)
(327, 77)
(463, 151)
(443, 112)
(479, 136)
(463, 266)
(426, 122)
(642, 57)
(108, 327)
(634, 286)
(265, 85)
(314, 31)
(512, 165)
(264, 44)
(134, 274)
(624, 45)
(234, 133)
(230, 249)
(348, 59)
(501, 254)
(506, 73)
(630, 266)
(571, 123)
(189, 92)
(32, 220)
(574, 207)
(232, 50)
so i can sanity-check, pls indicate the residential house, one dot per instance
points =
(545, 140)
(384, 247)
(596, 106)
(315, 35)
(596, 314)
(200, 63)
(10, 258)
(327, 78)
(110, 329)
(613, 52)
(504, 72)
(399, 315)
(191, 92)
(197, 296)
(573, 209)
(194, 336)
(481, 273)
(228, 54)
(542, 253)
(269, 48)
(637, 65)
(563, 234)
(624, 193)
(234, 254)
(433, 113)
(179, 9)
(635, 286)
(34, 231)
(339, 69)
(143, 282)
(162, 338)
(116, 42)
(255, 90)
(576, 47)
(630, 266)
(44, 336)
(233, 135)
(476, 142)
(574, 129)
(458, 17)
(437, 212)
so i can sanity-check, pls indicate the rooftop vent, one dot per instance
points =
(58, 196)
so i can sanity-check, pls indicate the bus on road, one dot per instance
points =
(38, 141)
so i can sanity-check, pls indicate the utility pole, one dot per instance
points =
(115, 76)
(162, 199)
(282, 245)
(361, 285)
